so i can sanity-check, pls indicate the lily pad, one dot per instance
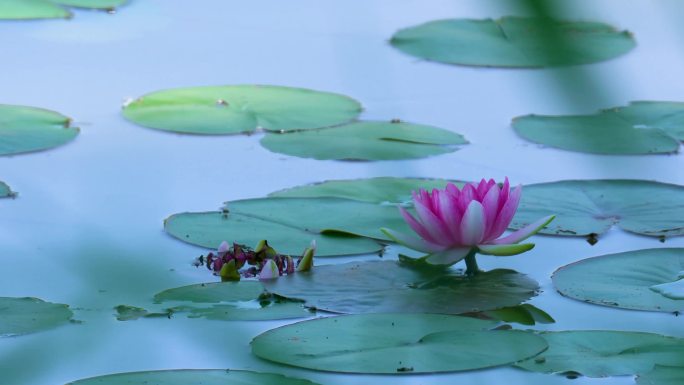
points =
(585, 207)
(197, 376)
(386, 190)
(524, 314)
(662, 375)
(214, 292)
(366, 141)
(604, 353)
(240, 108)
(6, 191)
(388, 286)
(644, 127)
(27, 129)
(395, 343)
(30, 9)
(28, 315)
(513, 42)
(623, 280)
(92, 4)
(289, 224)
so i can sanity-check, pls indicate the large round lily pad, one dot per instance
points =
(289, 224)
(188, 377)
(395, 343)
(377, 190)
(584, 207)
(28, 315)
(624, 280)
(27, 129)
(513, 42)
(5, 190)
(662, 375)
(605, 353)
(240, 108)
(31, 9)
(92, 4)
(644, 127)
(366, 141)
(389, 286)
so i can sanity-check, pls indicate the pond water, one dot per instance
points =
(86, 228)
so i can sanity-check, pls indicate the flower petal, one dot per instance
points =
(490, 202)
(415, 225)
(505, 216)
(473, 224)
(433, 224)
(449, 256)
(412, 242)
(504, 250)
(451, 216)
(524, 233)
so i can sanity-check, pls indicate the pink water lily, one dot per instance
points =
(453, 224)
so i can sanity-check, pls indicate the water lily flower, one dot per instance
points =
(270, 270)
(454, 224)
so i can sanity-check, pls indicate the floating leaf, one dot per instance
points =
(376, 190)
(241, 108)
(366, 141)
(27, 129)
(230, 301)
(643, 127)
(187, 376)
(525, 314)
(605, 353)
(93, 4)
(623, 280)
(289, 224)
(513, 42)
(662, 375)
(395, 343)
(28, 315)
(30, 9)
(388, 286)
(6, 191)
(585, 207)
(130, 313)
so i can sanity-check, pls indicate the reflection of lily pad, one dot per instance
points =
(28, 315)
(395, 343)
(387, 286)
(31, 9)
(624, 280)
(662, 375)
(93, 4)
(366, 141)
(513, 42)
(241, 108)
(5, 190)
(376, 190)
(605, 353)
(27, 129)
(640, 128)
(289, 224)
(583, 207)
(187, 377)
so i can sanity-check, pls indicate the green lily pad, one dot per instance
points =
(30, 9)
(388, 286)
(644, 127)
(131, 313)
(513, 42)
(604, 353)
(241, 108)
(365, 141)
(662, 375)
(27, 129)
(229, 301)
(92, 4)
(197, 376)
(28, 315)
(395, 344)
(6, 191)
(289, 224)
(624, 280)
(524, 314)
(585, 207)
(377, 190)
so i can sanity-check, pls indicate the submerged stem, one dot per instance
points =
(471, 264)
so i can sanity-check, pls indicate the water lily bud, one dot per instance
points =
(289, 265)
(229, 272)
(305, 263)
(266, 251)
(269, 271)
(223, 248)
